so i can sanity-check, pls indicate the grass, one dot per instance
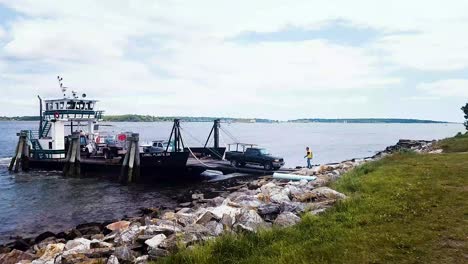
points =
(459, 143)
(406, 208)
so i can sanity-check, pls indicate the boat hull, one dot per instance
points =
(171, 165)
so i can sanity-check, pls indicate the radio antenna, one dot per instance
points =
(63, 88)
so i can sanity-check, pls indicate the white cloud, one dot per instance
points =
(446, 88)
(174, 54)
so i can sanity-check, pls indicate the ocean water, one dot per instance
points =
(34, 202)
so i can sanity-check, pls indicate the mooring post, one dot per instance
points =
(130, 171)
(216, 133)
(22, 149)
(25, 154)
(13, 159)
(72, 161)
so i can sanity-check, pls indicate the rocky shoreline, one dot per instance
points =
(237, 205)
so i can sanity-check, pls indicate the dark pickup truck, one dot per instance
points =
(255, 156)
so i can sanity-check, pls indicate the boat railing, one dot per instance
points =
(36, 149)
(73, 114)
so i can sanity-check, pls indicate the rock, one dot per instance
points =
(214, 228)
(51, 251)
(185, 219)
(249, 220)
(118, 226)
(155, 253)
(20, 244)
(78, 245)
(287, 219)
(141, 260)
(217, 201)
(89, 228)
(325, 192)
(43, 236)
(72, 234)
(196, 229)
(170, 243)
(198, 196)
(294, 207)
(75, 258)
(227, 221)
(128, 235)
(170, 216)
(15, 256)
(163, 228)
(225, 208)
(305, 197)
(205, 218)
(247, 201)
(155, 241)
(100, 244)
(268, 209)
(99, 252)
(279, 198)
(123, 253)
(113, 260)
(97, 237)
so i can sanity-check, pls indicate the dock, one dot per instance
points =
(226, 168)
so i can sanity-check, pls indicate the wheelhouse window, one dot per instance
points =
(71, 105)
(62, 105)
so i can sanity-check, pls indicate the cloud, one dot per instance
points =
(446, 88)
(178, 57)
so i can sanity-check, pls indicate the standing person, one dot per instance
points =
(309, 156)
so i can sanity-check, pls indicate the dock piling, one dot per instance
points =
(130, 171)
(72, 166)
(21, 156)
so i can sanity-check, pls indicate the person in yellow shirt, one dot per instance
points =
(309, 156)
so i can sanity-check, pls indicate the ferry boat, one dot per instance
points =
(59, 118)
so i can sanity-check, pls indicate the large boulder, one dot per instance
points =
(124, 253)
(183, 219)
(286, 219)
(15, 256)
(112, 260)
(78, 245)
(249, 220)
(155, 241)
(50, 253)
(206, 217)
(43, 236)
(118, 226)
(269, 209)
(214, 228)
(248, 201)
(227, 207)
(327, 193)
(227, 221)
(163, 227)
(128, 235)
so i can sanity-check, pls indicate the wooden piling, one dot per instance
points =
(72, 166)
(21, 156)
(13, 159)
(130, 171)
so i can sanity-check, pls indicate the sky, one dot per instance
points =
(266, 58)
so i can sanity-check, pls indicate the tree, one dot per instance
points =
(465, 110)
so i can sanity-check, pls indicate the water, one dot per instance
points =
(31, 203)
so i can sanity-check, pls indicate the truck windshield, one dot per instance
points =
(264, 152)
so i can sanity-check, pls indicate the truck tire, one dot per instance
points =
(268, 166)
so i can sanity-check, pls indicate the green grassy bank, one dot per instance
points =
(407, 208)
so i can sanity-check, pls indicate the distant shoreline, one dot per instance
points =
(148, 118)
